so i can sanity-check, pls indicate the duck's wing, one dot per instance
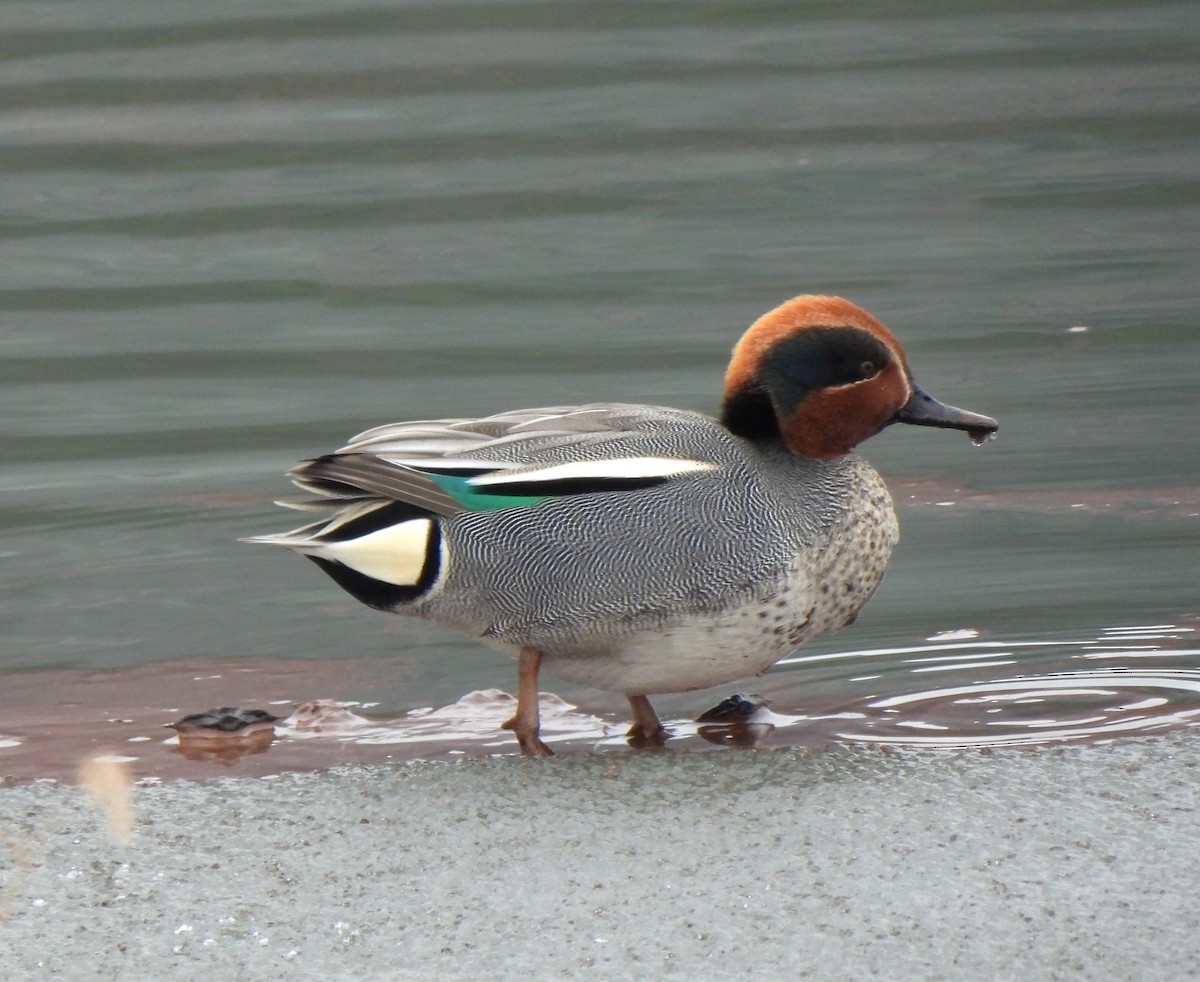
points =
(489, 522)
(512, 459)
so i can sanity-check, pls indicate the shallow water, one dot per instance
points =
(234, 237)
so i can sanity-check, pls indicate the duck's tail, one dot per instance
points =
(384, 552)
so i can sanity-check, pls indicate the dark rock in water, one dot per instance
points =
(736, 709)
(228, 721)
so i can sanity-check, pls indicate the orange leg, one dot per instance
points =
(646, 727)
(527, 721)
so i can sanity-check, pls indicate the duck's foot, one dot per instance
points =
(647, 730)
(530, 743)
(527, 720)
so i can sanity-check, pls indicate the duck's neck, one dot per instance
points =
(748, 413)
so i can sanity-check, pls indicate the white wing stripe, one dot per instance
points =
(448, 463)
(618, 469)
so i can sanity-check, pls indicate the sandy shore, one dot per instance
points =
(1040, 864)
(347, 845)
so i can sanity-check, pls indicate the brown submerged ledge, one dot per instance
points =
(52, 721)
(158, 722)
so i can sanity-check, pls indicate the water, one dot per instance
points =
(234, 236)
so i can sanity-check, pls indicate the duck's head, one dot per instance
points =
(823, 375)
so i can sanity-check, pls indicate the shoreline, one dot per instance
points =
(53, 722)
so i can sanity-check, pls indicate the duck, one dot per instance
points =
(632, 548)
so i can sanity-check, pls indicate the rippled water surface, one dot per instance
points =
(233, 235)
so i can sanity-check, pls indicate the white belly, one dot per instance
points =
(690, 656)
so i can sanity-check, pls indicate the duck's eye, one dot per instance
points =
(868, 370)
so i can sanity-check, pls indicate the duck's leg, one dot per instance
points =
(646, 727)
(527, 721)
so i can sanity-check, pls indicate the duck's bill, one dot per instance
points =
(922, 409)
